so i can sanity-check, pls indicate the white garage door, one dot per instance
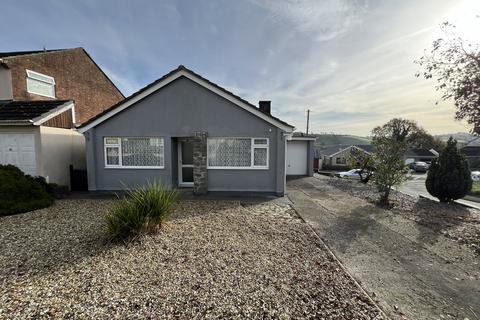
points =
(19, 150)
(297, 153)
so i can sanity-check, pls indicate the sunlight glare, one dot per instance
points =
(466, 17)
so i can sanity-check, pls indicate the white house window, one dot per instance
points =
(237, 153)
(40, 84)
(134, 152)
(341, 160)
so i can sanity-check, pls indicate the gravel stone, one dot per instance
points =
(212, 259)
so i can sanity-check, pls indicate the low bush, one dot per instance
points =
(55, 190)
(20, 192)
(142, 209)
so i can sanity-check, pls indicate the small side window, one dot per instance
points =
(41, 84)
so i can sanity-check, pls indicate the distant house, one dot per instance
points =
(473, 155)
(418, 154)
(43, 94)
(336, 157)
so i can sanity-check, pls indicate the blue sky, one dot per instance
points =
(350, 62)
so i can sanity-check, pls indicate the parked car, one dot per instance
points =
(476, 175)
(351, 174)
(419, 166)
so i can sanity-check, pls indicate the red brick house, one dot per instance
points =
(43, 95)
(64, 74)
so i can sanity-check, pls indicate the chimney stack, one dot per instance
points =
(265, 106)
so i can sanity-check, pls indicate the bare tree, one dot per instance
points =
(455, 64)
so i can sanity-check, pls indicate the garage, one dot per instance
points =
(299, 160)
(18, 149)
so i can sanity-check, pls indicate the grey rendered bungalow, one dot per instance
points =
(186, 131)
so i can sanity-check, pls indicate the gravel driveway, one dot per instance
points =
(214, 259)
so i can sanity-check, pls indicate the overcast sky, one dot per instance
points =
(350, 62)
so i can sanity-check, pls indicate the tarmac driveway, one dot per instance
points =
(415, 187)
(384, 252)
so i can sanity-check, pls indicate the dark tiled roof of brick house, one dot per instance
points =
(22, 53)
(27, 110)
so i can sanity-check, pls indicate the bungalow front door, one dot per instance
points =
(185, 164)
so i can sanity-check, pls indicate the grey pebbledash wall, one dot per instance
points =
(185, 109)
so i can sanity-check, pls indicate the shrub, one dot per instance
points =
(55, 190)
(21, 193)
(390, 169)
(144, 208)
(449, 176)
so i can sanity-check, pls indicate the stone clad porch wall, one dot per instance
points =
(200, 172)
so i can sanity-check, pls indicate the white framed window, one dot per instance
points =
(41, 84)
(237, 153)
(134, 152)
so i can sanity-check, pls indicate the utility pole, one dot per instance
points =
(308, 119)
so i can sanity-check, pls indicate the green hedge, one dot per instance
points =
(21, 193)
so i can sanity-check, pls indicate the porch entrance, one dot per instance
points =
(185, 163)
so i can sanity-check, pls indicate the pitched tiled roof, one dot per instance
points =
(180, 67)
(419, 153)
(471, 151)
(24, 111)
(303, 135)
(22, 53)
(339, 147)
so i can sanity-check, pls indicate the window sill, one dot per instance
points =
(42, 95)
(132, 167)
(237, 168)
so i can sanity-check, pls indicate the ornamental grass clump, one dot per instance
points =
(142, 209)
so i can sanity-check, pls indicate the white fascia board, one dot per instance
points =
(349, 147)
(339, 151)
(201, 82)
(53, 113)
(362, 150)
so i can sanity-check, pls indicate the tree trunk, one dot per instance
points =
(384, 197)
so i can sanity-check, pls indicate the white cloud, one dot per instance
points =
(127, 84)
(325, 20)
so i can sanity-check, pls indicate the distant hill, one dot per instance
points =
(326, 140)
(461, 137)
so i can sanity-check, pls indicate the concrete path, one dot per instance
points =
(409, 277)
